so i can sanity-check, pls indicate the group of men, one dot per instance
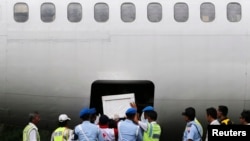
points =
(194, 130)
(129, 129)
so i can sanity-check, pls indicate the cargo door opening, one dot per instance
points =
(143, 92)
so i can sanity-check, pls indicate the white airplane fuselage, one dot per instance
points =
(50, 67)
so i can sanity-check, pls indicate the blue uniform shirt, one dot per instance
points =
(129, 131)
(91, 131)
(193, 131)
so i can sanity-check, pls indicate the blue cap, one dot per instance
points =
(148, 108)
(92, 110)
(131, 111)
(84, 111)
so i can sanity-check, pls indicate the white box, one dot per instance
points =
(117, 105)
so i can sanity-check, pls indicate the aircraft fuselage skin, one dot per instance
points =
(50, 67)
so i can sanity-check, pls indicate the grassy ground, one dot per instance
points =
(14, 133)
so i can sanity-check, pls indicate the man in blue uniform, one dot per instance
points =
(127, 129)
(87, 131)
(193, 130)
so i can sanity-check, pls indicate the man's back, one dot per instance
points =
(30, 132)
(108, 134)
(88, 132)
(153, 132)
(62, 134)
(128, 131)
(193, 131)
